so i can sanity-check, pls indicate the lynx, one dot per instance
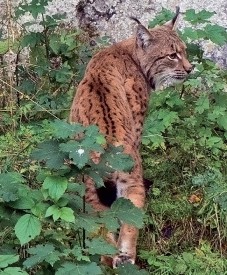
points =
(114, 95)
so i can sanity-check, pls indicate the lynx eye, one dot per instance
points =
(173, 56)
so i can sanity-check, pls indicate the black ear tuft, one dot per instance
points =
(176, 15)
(135, 19)
(172, 23)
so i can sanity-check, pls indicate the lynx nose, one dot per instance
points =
(189, 68)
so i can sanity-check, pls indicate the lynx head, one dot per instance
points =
(162, 54)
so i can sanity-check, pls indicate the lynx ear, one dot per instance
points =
(143, 36)
(172, 23)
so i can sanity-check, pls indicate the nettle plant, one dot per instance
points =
(50, 213)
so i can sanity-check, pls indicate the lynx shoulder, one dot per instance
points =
(114, 96)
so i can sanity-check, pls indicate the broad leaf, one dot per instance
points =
(23, 203)
(125, 210)
(6, 260)
(77, 251)
(77, 153)
(27, 228)
(202, 104)
(76, 269)
(198, 18)
(101, 247)
(54, 211)
(64, 213)
(11, 178)
(127, 269)
(49, 152)
(13, 271)
(67, 214)
(10, 183)
(164, 16)
(56, 186)
(115, 159)
(216, 34)
(62, 129)
(87, 222)
(94, 174)
(42, 253)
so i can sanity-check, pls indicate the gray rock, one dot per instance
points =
(111, 17)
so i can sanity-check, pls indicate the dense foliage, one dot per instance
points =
(46, 227)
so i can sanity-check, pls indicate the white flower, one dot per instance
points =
(80, 151)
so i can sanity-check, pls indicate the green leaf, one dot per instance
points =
(13, 271)
(78, 253)
(124, 210)
(101, 247)
(216, 34)
(214, 142)
(11, 178)
(78, 154)
(161, 18)
(10, 183)
(32, 39)
(189, 33)
(23, 203)
(67, 214)
(5, 45)
(87, 222)
(41, 253)
(49, 152)
(56, 186)
(78, 188)
(62, 75)
(130, 269)
(198, 18)
(39, 209)
(76, 269)
(110, 222)
(54, 43)
(27, 228)
(94, 174)
(188, 257)
(116, 160)
(62, 129)
(222, 121)
(6, 260)
(202, 104)
(180, 268)
(54, 211)
(34, 7)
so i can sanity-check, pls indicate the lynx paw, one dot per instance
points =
(122, 259)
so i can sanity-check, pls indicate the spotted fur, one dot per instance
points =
(114, 95)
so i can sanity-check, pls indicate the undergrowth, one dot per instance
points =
(46, 227)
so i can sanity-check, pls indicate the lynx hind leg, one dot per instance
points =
(132, 188)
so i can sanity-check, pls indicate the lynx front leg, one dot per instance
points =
(132, 189)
